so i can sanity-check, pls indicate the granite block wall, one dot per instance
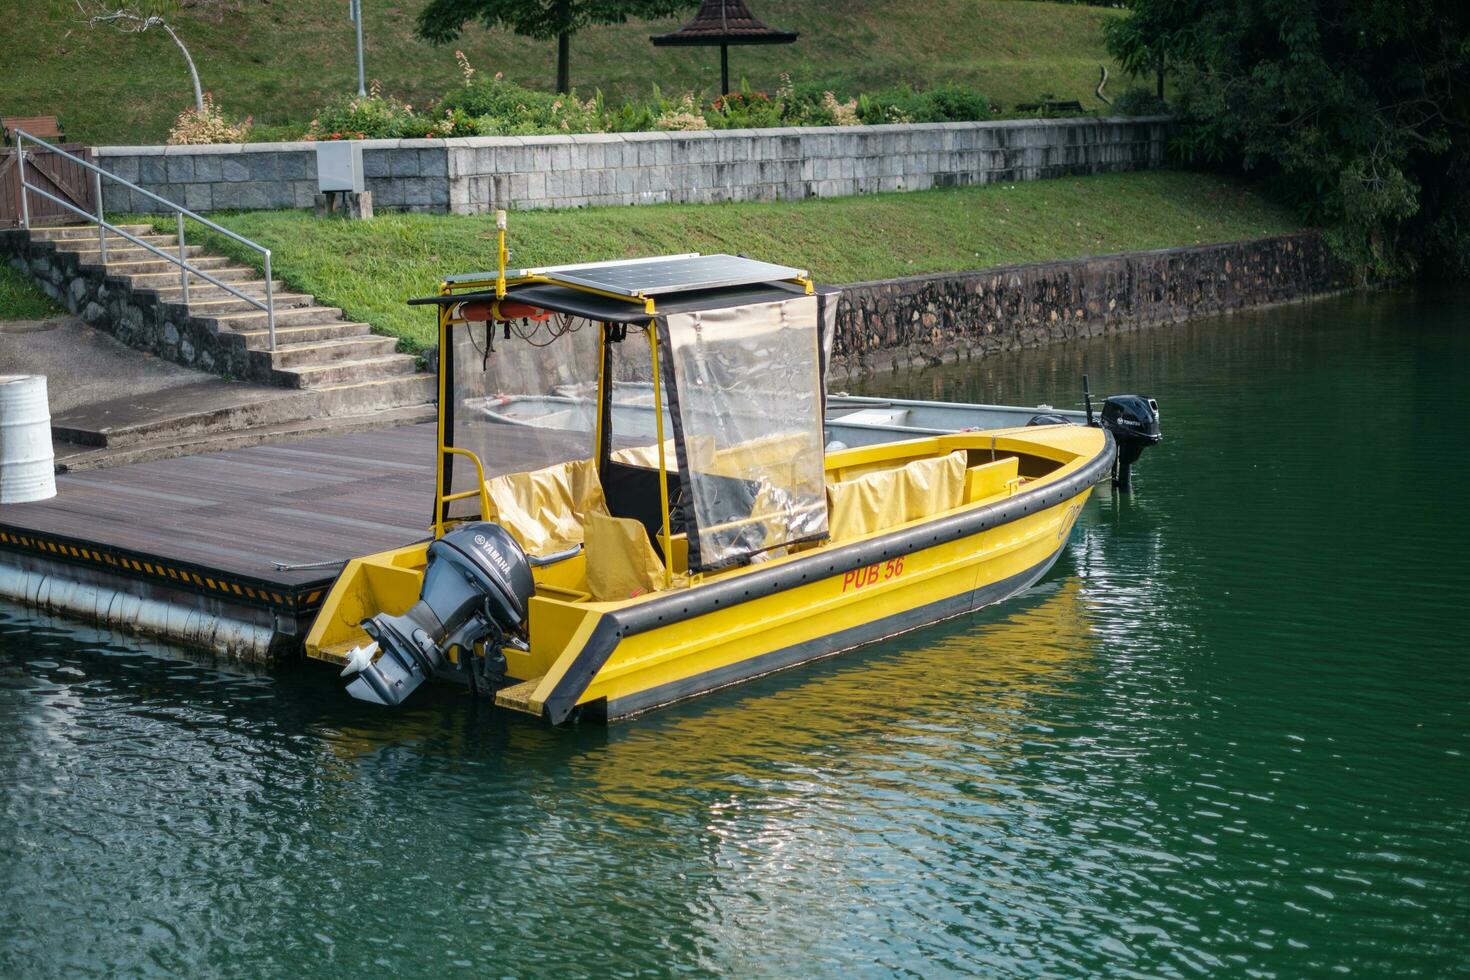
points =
(480, 174)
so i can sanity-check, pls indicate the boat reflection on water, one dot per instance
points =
(981, 676)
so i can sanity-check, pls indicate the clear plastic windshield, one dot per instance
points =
(749, 406)
(523, 402)
(634, 428)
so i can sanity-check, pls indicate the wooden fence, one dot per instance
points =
(52, 173)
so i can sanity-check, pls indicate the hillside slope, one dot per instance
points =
(277, 60)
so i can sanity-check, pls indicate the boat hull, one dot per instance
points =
(826, 645)
(613, 660)
(691, 642)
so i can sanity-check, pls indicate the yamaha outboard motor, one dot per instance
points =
(1134, 422)
(477, 588)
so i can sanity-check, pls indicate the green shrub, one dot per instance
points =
(503, 108)
(630, 117)
(493, 106)
(944, 103)
(955, 103)
(745, 109)
(1138, 102)
(372, 116)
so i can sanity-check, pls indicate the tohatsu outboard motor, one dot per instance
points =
(1134, 422)
(477, 588)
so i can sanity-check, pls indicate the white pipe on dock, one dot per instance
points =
(27, 460)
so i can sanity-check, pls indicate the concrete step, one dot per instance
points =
(199, 289)
(284, 318)
(59, 232)
(116, 243)
(73, 457)
(169, 279)
(347, 372)
(392, 392)
(88, 252)
(222, 302)
(130, 266)
(257, 338)
(332, 351)
(210, 405)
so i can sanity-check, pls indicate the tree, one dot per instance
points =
(443, 20)
(138, 17)
(1355, 110)
(1155, 37)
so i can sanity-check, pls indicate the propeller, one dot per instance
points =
(359, 657)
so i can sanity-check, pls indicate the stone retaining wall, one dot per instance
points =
(137, 317)
(480, 174)
(924, 320)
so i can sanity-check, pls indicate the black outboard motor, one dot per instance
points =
(477, 587)
(1134, 422)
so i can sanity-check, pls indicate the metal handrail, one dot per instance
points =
(103, 227)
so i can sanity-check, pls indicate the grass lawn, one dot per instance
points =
(21, 300)
(279, 61)
(370, 268)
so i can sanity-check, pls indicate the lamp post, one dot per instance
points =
(354, 10)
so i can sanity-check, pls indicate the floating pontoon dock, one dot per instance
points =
(191, 549)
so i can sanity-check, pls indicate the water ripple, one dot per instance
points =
(1227, 735)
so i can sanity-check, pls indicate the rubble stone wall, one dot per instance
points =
(933, 319)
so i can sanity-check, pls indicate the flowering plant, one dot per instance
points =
(195, 127)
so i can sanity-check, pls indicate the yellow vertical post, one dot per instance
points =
(441, 456)
(501, 255)
(663, 467)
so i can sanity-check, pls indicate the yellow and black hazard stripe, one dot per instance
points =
(185, 576)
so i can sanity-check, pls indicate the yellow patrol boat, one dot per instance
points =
(640, 558)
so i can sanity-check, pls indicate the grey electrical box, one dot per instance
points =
(339, 166)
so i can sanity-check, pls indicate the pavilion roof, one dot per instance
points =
(721, 22)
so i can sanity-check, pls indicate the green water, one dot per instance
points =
(1228, 734)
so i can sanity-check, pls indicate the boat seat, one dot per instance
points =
(621, 563)
(887, 498)
(546, 509)
(989, 479)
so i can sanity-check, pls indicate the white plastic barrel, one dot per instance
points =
(27, 463)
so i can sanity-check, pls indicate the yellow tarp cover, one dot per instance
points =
(546, 509)
(647, 456)
(621, 563)
(886, 498)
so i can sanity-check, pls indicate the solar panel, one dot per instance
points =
(674, 275)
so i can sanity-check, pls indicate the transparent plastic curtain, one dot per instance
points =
(634, 433)
(748, 407)
(524, 402)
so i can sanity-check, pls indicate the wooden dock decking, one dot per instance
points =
(216, 524)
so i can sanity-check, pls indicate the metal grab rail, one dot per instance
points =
(186, 268)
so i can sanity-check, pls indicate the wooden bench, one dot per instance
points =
(43, 127)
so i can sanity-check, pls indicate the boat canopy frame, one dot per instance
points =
(582, 291)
